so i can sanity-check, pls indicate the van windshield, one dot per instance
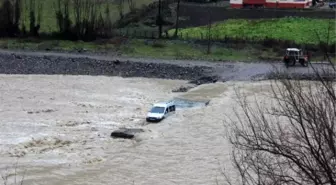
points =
(157, 110)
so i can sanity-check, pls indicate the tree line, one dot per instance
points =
(74, 19)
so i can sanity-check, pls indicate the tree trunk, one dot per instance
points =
(209, 32)
(177, 17)
(160, 20)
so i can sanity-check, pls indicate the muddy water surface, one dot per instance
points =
(59, 126)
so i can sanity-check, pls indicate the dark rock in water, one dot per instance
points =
(116, 62)
(182, 89)
(207, 103)
(126, 133)
(205, 80)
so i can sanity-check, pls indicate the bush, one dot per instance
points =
(89, 21)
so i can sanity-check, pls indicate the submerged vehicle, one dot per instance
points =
(160, 111)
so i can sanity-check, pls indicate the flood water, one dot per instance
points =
(59, 127)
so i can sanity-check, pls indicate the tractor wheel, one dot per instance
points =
(291, 62)
(304, 63)
(286, 63)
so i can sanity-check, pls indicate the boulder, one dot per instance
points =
(126, 133)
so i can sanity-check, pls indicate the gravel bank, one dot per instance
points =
(24, 64)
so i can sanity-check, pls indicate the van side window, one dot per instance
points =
(172, 108)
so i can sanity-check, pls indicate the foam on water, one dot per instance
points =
(184, 103)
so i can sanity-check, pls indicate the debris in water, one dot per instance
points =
(204, 80)
(43, 111)
(126, 133)
(182, 89)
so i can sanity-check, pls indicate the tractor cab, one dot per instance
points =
(332, 4)
(293, 52)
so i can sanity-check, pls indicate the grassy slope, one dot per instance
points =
(300, 30)
(146, 49)
(48, 19)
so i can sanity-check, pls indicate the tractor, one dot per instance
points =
(294, 55)
(332, 4)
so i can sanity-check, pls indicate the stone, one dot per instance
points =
(126, 133)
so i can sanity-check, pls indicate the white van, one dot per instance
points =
(160, 111)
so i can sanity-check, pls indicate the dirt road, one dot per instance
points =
(17, 62)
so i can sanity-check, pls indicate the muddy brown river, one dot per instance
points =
(58, 128)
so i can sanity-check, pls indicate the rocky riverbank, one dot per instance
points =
(24, 64)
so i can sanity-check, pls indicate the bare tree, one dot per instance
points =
(86, 16)
(293, 139)
(35, 16)
(17, 10)
(5, 177)
(209, 30)
(88, 22)
(10, 14)
(108, 21)
(177, 17)
(159, 19)
(131, 5)
(61, 8)
(121, 8)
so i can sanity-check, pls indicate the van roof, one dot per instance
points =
(163, 104)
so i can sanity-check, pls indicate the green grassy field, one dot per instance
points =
(300, 30)
(48, 18)
(134, 48)
(148, 49)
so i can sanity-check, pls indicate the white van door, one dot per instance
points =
(171, 109)
(166, 113)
